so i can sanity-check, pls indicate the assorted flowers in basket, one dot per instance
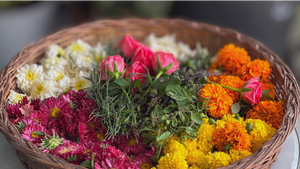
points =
(134, 105)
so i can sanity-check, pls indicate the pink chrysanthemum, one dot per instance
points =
(132, 145)
(31, 133)
(54, 107)
(39, 117)
(35, 103)
(142, 161)
(13, 111)
(114, 158)
(151, 152)
(70, 151)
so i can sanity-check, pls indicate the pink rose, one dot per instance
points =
(138, 67)
(143, 54)
(254, 95)
(165, 59)
(127, 72)
(129, 46)
(108, 65)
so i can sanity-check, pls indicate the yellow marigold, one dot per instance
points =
(218, 100)
(270, 86)
(269, 111)
(232, 58)
(174, 146)
(172, 161)
(231, 118)
(233, 133)
(236, 155)
(194, 157)
(194, 167)
(215, 160)
(259, 68)
(204, 138)
(261, 133)
(235, 82)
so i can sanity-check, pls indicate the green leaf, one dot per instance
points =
(265, 91)
(38, 133)
(148, 136)
(168, 67)
(161, 86)
(237, 117)
(138, 83)
(227, 146)
(200, 105)
(86, 163)
(182, 118)
(174, 122)
(163, 136)
(245, 110)
(92, 161)
(246, 89)
(168, 109)
(121, 82)
(158, 110)
(179, 94)
(147, 129)
(249, 127)
(131, 157)
(211, 121)
(149, 77)
(235, 108)
(197, 118)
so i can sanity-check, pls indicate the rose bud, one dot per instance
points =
(112, 66)
(253, 96)
(129, 46)
(164, 62)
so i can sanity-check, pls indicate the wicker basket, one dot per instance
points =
(210, 36)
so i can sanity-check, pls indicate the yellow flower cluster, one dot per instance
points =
(199, 154)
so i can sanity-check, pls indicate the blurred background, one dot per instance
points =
(275, 24)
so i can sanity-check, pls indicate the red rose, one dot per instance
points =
(138, 67)
(108, 65)
(143, 54)
(255, 94)
(129, 46)
(165, 59)
(127, 72)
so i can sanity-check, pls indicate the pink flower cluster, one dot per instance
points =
(69, 116)
(142, 58)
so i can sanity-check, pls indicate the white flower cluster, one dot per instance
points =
(168, 44)
(59, 71)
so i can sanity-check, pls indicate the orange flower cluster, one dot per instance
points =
(235, 60)
(233, 133)
(268, 111)
(232, 58)
(258, 68)
(218, 100)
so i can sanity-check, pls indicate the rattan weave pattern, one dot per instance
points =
(210, 36)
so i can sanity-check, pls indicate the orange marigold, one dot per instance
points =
(232, 58)
(270, 86)
(235, 82)
(214, 78)
(269, 111)
(233, 133)
(218, 100)
(259, 68)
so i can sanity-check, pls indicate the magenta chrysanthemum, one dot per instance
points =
(32, 133)
(132, 145)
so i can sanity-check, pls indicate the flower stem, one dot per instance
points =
(158, 75)
(125, 94)
(227, 87)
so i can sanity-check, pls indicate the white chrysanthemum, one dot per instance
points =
(64, 85)
(78, 47)
(80, 82)
(43, 88)
(55, 58)
(27, 76)
(71, 70)
(55, 74)
(55, 51)
(168, 44)
(99, 52)
(15, 97)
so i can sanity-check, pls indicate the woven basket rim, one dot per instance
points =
(24, 146)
